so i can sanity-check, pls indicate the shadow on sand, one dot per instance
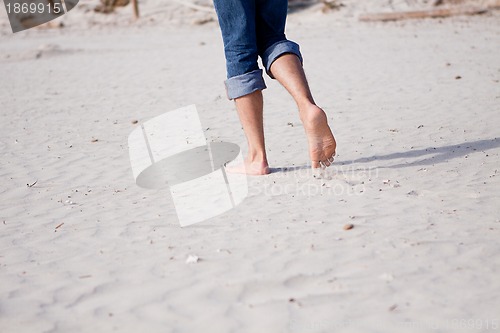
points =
(431, 155)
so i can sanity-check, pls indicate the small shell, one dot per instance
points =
(192, 259)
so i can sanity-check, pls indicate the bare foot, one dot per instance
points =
(250, 168)
(322, 144)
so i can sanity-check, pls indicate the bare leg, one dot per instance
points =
(288, 70)
(250, 111)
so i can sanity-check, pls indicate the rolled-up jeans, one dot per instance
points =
(252, 28)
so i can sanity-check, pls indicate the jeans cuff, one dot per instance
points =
(276, 50)
(244, 84)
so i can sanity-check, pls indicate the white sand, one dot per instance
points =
(417, 174)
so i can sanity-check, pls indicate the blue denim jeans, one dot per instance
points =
(252, 28)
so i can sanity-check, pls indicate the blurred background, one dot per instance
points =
(91, 13)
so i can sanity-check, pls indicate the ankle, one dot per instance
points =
(311, 113)
(305, 104)
(256, 157)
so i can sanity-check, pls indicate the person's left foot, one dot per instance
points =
(250, 168)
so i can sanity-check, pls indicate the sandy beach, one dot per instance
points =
(414, 106)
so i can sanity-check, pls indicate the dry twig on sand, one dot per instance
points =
(431, 13)
(135, 4)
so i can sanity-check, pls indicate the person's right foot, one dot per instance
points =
(322, 144)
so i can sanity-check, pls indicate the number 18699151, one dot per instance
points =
(33, 8)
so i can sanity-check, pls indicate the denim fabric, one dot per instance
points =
(274, 51)
(244, 84)
(252, 28)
